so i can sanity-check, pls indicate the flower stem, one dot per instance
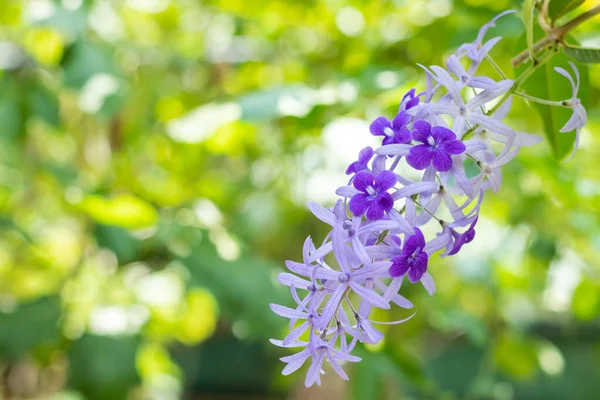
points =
(541, 101)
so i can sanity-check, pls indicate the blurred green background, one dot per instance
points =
(155, 161)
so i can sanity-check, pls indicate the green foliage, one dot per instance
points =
(558, 8)
(95, 371)
(32, 326)
(583, 54)
(155, 162)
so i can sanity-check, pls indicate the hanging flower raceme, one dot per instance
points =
(377, 227)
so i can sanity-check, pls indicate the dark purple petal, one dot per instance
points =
(378, 126)
(415, 243)
(421, 131)
(453, 147)
(363, 180)
(400, 121)
(411, 103)
(419, 157)
(458, 243)
(359, 203)
(399, 266)
(365, 155)
(442, 161)
(441, 134)
(385, 180)
(402, 136)
(375, 210)
(385, 201)
(418, 267)
(353, 168)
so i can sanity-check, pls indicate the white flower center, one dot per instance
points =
(371, 190)
(431, 141)
(388, 131)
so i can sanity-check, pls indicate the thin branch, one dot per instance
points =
(556, 34)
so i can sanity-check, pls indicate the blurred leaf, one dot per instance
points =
(244, 288)
(84, 60)
(31, 325)
(70, 22)
(558, 8)
(456, 320)
(124, 210)
(516, 356)
(11, 114)
(44, 104)
(583, 54)
(586, 301)
(119, 241)
(103, 368)
(270, 103)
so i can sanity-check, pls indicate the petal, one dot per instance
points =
(385, 180)
(415, 188)
(287, 312)
(378, 126)
(359, 203)
(428, 283)
(362, 180)
(375, 211)
(365, 155)
(400, 120)
(375, 270)
(444, 78)
(418, 267)
(344, 191)
(322, 213)
(394, 149)
(482, 82)
(442, 161)
(454, 147)
(490, 124)
(441, 134)
(332, 305)
(314, 371)
(402, 136)
(370, 295)
(403, 225)
(399, 266)
(421, 131)
(385, 201)
(419, 156)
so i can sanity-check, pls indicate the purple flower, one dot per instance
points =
(413, 258)
(409, 100)
(374, 199)
(439, 144)
(364, 157)
(394, 131)
(462, 238)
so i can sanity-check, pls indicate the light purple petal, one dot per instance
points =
(287, 312)
(322, 213)
(428, 283)
(332, 305)
(370, 295)
(415, 188)
(394, 149)
(344, 191)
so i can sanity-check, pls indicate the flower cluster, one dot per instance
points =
(377, 227)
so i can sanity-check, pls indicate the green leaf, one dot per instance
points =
(30, 326)
(103, 368)
(586, 301)
(244, 288)
(44, 104)
(125, 210)
(84, 60)
(528, 11)
(547, 84)
(558, 8)
(583, 54)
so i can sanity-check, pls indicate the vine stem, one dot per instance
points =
(556, 34)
